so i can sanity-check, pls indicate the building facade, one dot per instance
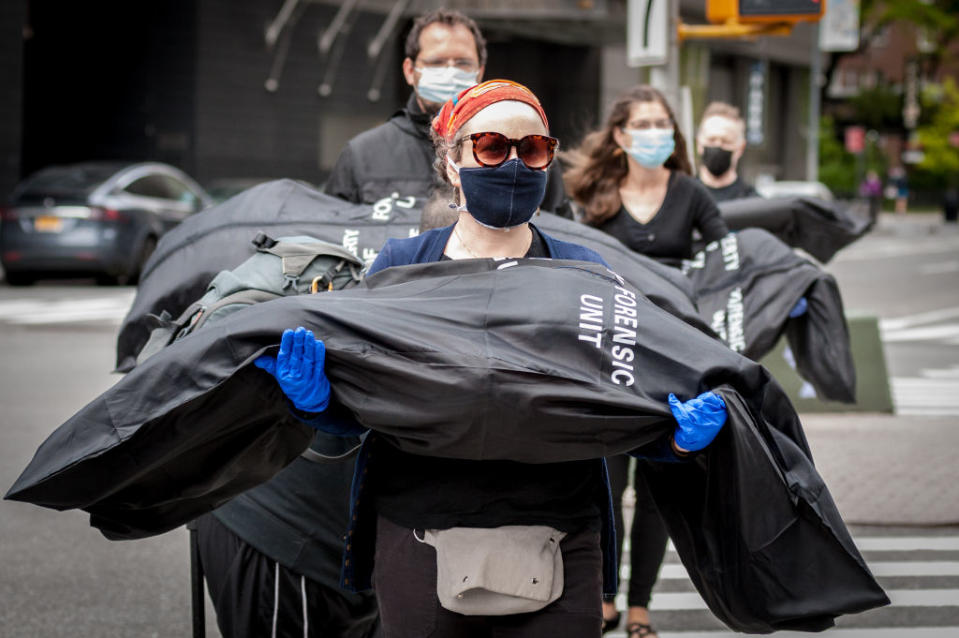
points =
(264, 89)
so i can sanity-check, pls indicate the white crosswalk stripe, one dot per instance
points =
(891, 247)
(935, 393)
(866, 632)
(934, 325)
(892, 568)
(42, 311)
(918, 573)
(901, 598)
(931, 316)
(945, 333)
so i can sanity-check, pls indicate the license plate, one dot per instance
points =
(48, 224)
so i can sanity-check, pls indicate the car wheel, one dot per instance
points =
(20, 278)
(149, 245)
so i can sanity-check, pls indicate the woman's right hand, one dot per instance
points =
(299, 369)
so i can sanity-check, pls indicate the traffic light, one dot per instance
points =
(752, 11)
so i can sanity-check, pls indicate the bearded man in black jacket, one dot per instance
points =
(445, 53)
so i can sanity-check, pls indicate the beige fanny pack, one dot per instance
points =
(514, 569)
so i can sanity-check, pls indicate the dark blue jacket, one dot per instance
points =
(361, 535)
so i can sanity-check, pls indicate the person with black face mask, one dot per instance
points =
(721, 141)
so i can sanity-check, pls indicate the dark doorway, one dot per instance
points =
(107, 80)
(564, 77)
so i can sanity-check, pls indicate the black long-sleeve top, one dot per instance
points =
(668, 235)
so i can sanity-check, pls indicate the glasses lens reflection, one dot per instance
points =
(492, 149)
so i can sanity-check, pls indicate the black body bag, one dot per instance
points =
(664, 285)
(747, 282)
(816, 226)
(528, 360)
(188, 257)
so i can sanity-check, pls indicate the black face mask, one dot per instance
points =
(717, 160)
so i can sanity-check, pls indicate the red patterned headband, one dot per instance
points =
(457, 111)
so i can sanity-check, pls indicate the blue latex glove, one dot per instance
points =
(799, 309)
(699, 420)
(298, 368)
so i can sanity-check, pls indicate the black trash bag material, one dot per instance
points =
(787, 560)
(816, 226)
(745, 286)
(664, 285)
(530, 360)
(188, 257)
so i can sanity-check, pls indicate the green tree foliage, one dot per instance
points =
(837, 166)
(938, 21)
(940, 106)
(841, 170)
(878, 108)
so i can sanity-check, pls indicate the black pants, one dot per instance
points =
(404, 579)
(647, 537)
(242, 582)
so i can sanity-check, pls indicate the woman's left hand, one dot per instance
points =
(699, 420)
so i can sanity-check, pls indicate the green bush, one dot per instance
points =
(841, 170)
(837, 166)
(940, 123)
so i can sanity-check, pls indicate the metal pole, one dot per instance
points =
(386, 29)
(326, 39)
(197, 598)
(812, 139)
(279, 22)
(666, 77)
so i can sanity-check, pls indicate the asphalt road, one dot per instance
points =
(59, 577)
(907, 274)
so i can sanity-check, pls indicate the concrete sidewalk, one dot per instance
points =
(917, 223)
(886, 469)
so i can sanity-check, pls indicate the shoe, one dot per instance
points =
(640, 630)
(611, 623)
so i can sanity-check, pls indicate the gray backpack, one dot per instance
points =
(280, 268)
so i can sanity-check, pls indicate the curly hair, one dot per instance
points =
(599, 166)
(444, 148)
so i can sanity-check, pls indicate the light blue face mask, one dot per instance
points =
(651, 147)
(441, 83)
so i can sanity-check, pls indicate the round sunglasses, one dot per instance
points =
(492, 149)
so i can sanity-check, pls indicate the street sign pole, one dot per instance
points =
(665, 77)
(647, 32)
(812, 138)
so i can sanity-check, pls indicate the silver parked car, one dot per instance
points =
(93, 218)
(794, 188)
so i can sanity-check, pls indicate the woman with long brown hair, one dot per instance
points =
(632, 179)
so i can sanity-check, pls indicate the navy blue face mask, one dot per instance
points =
(502, 196)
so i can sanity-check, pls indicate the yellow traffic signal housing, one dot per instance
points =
(764, 11)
